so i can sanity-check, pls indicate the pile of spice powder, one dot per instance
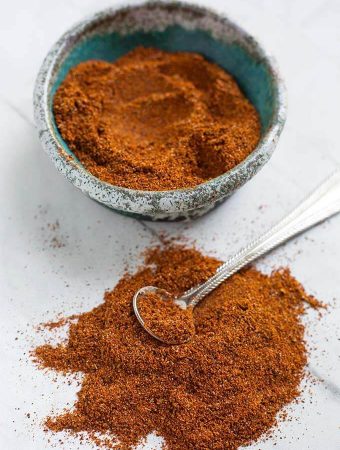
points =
(154, 120)
(222, 390)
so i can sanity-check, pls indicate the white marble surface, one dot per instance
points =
(37, 281)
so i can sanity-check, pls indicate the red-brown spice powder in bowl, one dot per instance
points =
(222, 390)
(154, 120)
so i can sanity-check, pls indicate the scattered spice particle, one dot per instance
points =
(57, 243)
(58, 323)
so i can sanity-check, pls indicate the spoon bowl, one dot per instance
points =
(176, 309)
(144, 291)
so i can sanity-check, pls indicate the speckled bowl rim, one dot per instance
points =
(140, 201)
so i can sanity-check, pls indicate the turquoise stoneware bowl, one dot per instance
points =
(173, 27)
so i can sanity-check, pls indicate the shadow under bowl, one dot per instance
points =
(173, 27)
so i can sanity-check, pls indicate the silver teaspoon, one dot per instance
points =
(322, 203)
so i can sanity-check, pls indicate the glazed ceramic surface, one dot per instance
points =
(173, 27)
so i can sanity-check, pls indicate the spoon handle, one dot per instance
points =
(322, 203)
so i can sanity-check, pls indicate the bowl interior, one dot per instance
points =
(249, 68)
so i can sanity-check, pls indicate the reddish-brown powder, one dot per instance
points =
(165, 319)
(220, 391)
(154, 120)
